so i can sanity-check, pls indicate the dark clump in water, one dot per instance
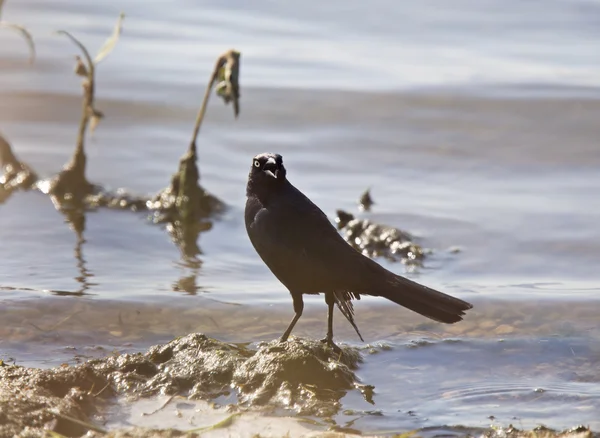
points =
(185, 205)
(375, 240)
(15, 174)
(540, 432)
(365, 202)
(184, 197)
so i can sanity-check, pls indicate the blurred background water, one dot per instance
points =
(474, 122)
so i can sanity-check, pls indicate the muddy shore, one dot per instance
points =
(255, 387)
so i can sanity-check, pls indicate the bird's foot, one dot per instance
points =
(331, 344)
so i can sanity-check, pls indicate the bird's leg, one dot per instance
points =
(298, 308)
(330, 300)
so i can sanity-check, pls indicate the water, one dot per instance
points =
(475, 124)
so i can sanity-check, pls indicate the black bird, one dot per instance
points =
(303, 249)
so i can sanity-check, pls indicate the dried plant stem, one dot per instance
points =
(22, 30)
(25, 34)
(201, 113)
(202, 110)
(231, 57)
(79, 158)
(71, 181)
(185, 182)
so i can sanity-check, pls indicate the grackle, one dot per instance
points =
(304, 251)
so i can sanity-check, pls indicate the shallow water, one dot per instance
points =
(472, 133)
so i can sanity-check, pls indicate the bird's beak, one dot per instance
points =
(270, 168)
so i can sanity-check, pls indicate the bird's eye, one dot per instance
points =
(256, 163)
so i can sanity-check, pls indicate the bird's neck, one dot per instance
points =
(265, 192)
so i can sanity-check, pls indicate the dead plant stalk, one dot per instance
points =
(227, 69)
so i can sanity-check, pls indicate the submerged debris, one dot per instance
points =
(540, 432)
(175, 202)
(376, 240)
(119, 200)
(15, 174)
(184, 206)
(365, 202)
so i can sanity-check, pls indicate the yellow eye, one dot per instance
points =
(256, 163)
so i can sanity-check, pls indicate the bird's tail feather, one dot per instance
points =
(344, 303)
(424, 300)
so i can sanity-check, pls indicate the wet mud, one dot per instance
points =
(301, 376)
(33, 400)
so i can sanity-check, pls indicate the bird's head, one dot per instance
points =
(267, 173)
(268, 168)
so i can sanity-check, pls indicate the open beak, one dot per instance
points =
(270, 168)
